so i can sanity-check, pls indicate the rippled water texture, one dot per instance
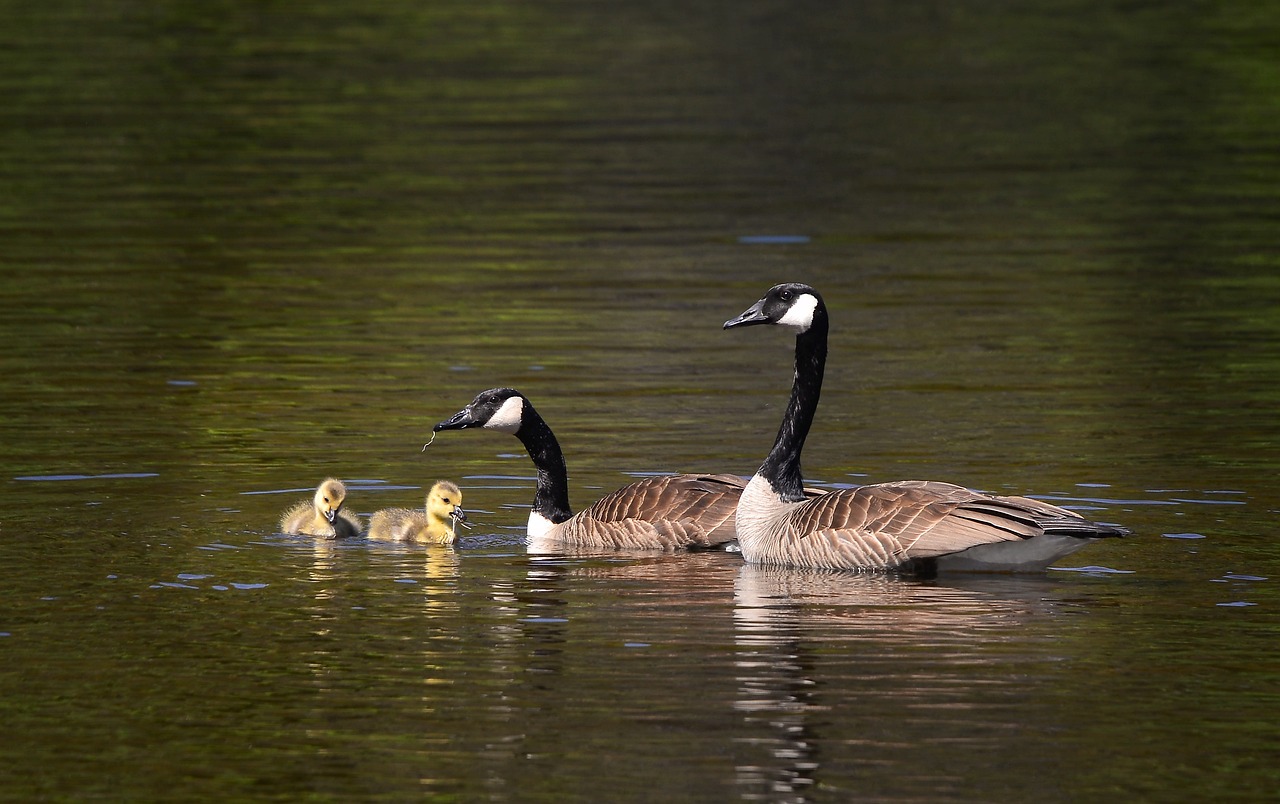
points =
(248, 246)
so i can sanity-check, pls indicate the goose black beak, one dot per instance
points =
(458, 421)
(753, 315)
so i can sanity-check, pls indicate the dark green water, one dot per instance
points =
(247, 246)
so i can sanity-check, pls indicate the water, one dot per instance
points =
(244, 249)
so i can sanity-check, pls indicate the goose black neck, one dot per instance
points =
(551, 499)
(782, 467)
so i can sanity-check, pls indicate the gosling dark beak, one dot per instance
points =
(458, 421)
(754, 315)
(459, 516)
(331, 515)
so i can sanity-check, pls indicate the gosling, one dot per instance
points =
(322, 516)
(436, 524)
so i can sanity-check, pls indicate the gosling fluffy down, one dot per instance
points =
(322, 515)
(435, 524)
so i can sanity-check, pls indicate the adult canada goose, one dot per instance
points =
(667, 512)
(910, 525)
(322, 515)
(435, 524)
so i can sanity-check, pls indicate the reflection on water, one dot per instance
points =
(780, 614)
(483, 668)
(960, 608)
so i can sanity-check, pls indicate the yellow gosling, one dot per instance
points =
(322, 515)
(434, 525)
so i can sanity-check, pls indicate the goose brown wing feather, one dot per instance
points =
(667, 512)
(1040, 507)
(890, 523)
(632, 534)
(1051, 518)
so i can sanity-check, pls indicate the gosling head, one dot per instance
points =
(793, 306)
(500, 409)
(444, 505)
(330, 497)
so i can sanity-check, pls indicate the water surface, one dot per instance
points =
(245, 249)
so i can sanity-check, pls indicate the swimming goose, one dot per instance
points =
(668, 512)
(911, 525)
(435, 524)
(322, 515)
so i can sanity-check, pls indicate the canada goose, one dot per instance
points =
(322, 515)
(668, 512)
(911, 525)
(434, 525)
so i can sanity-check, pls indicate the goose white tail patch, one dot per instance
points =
(799, 316)
(507, 418)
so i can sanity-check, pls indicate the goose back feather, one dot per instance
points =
(668, 512)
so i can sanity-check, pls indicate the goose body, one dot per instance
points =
(910, 525)
(435, 523)
(667, 512)
(322, 515)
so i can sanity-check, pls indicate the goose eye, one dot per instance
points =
(785, 295)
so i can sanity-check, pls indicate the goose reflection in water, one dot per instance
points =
(397, 568)
(800, 631)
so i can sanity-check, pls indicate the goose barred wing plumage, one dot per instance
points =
(665, 512)
(893, 524)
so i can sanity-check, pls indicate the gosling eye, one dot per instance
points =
(326, 499)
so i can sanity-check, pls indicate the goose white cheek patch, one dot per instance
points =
(800, 316)
(507, 418)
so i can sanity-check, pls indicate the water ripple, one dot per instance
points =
(112, 476)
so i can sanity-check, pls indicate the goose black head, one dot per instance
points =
(500, 409)
(792, 305)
